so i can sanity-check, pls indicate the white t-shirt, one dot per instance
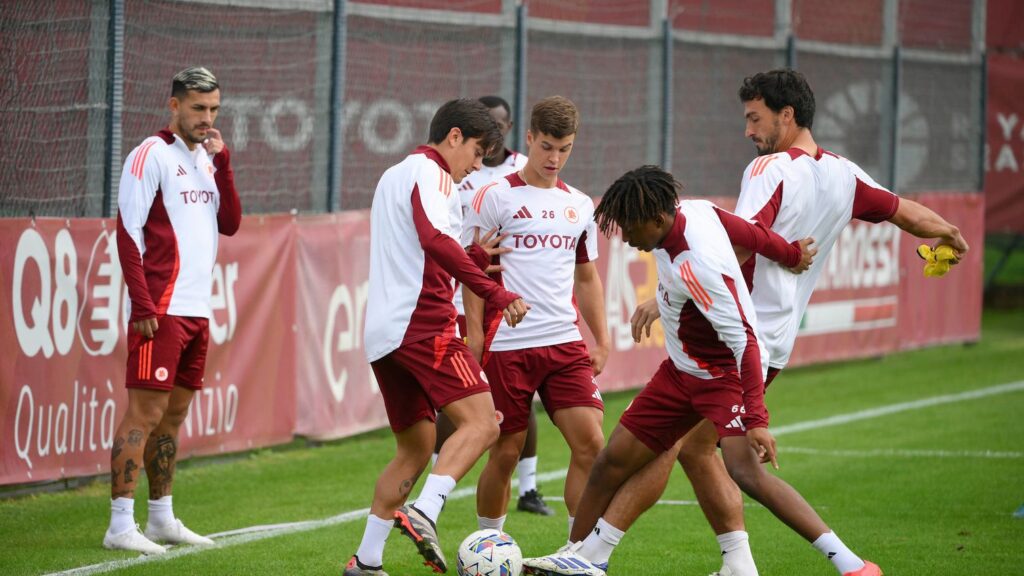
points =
(550, 231)
(800, 196)
(470, 184)
(415, 224)
(706, 311)
(167, 227)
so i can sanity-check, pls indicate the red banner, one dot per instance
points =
(289, 300)
(1004, 175)
(63, 331)
(336, 392)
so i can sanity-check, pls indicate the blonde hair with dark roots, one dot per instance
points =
(555, 116)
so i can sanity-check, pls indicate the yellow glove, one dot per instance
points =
(937, 261)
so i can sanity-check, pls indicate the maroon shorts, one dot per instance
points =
(420, 378)
(673, 402)
(175, 356)
(561, 373)
(772, 373)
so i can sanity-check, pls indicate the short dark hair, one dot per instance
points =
(637, 196)
(555, 116)
(780, 88)
(193, 78)
(470, 116)
(494, 102)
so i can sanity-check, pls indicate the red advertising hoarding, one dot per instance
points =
(63, 334)
(1004, 158)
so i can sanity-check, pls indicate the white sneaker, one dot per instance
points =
(566, 561)
(131, 540)
(175, 533)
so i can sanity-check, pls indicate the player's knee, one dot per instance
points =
(588, 447)
(144, 416)
(505, 453)
(488, 431)
(748, 477)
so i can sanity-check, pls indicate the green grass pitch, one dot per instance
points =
(922, 491)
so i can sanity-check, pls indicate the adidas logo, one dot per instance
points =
(181, 171)
(524, 212)
(736, 423)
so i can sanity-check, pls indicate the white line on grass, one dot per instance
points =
(255, 533)
(960, 454)
(894, 408)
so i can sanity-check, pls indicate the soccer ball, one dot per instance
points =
(489, 553)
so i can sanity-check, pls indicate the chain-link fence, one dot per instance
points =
(320, 96)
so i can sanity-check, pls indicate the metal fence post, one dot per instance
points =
(115, 99)
(336, 144)
(980, 53)
(897, 88)
(519, 104)
(666, 95)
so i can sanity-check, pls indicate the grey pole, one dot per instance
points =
(519, 104)
(336, 145)
(115, 97)
(666, 95)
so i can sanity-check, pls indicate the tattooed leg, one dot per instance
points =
(415, 445)
(145, 408)
(161, 455)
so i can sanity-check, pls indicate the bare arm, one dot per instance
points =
(590, 299)
(923, 222)
(474, 307)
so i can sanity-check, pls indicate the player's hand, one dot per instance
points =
(147, 327)
(807, 253)
(491, 243)
(515, 311)
(763, 443)
(643, 318)
(214, 143)
(957, 243)
(598, 358)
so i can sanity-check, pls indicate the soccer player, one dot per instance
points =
(420, 365)
(177, 193)
(716, 364)
(497, 165)
(550, 228)
(796, 188)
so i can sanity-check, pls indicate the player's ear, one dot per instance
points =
(455, 136)
(173, 104)
(787, 114)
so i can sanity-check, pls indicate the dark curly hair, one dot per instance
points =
(637, 196)
(780, 88)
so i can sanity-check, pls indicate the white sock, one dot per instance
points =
(527, 472)
(433, 460)
(122, 515)
(491, 523)
(435, 492)
(571, 520)
(601, 542)
(842, 557)
(160, 511)
(371, 549)
(736, 553)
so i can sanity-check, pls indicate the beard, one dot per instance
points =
(767, 145)
(193, 134)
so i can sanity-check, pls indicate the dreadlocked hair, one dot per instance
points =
(637, 196)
